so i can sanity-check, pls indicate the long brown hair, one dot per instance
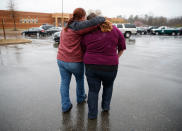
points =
(78, 14)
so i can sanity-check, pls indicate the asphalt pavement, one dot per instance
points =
(147, 92)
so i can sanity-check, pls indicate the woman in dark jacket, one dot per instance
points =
(70, 55)
(102, 51)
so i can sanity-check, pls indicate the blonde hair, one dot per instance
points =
(106, 26)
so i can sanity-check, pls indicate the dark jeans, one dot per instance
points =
(94, 79)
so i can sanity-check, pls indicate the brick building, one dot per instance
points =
(25, 20)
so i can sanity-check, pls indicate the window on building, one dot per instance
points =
(29, 20)
(21, 21)
(36, 20)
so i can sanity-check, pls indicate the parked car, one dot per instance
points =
(141, 30)
(34, 31)
(166, 30)
(127, 29)
(171, 31)
(56, 37)
(149, 30)
(46, 26)
(158, 31)
(52, 30)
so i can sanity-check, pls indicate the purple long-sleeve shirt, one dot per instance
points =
(100, 48)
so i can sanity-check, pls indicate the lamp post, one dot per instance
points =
(62, 20)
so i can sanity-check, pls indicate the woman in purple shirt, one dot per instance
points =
(101, 53)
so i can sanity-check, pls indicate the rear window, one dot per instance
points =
(45, 27)
(119, 26)
(33, 29)
(130, 26)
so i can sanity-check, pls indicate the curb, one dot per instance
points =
(14, 41)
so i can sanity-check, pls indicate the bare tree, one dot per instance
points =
(151, 20)
(131, 19)
(12, 9)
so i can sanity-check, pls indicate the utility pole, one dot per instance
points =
(62, 20)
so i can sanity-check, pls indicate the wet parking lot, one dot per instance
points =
(147, 92)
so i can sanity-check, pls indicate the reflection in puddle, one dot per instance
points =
(78, 121)
(92, 125)
(55, 45)
(130, 41)
(105, 125)
(67, 123)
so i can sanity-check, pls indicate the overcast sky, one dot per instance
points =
(109, 8)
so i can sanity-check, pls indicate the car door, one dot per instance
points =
(29, 32)
(163, 31)
(35, 31)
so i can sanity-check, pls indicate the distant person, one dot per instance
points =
(70, 55)
(102, 49)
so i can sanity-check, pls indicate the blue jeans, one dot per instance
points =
(66, 70)
(94, 79)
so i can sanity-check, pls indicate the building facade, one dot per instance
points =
(25, 20)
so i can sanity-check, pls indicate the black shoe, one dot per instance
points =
(68, 109)
(92, 118)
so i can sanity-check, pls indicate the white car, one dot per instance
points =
(127, 29)
(159, 30)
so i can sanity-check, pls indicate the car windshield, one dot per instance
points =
(119, 26)
(162, 27)
(45, 27)
(35, 29)
(55, 28)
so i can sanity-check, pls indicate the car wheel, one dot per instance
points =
(173, 34)
(127, 34)
(157, 33)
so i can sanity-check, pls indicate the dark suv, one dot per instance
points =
(34, 31)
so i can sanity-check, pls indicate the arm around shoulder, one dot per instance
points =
(88, 23)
